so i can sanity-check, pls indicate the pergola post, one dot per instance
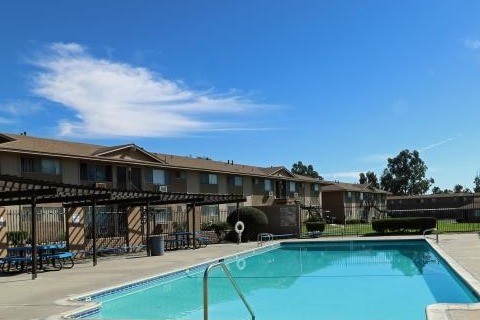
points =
(94, 231)
(238, 219)
(34, 236)
(193, 225)
(147, 213)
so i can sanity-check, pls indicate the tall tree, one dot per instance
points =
(405, 174)
(436, 190)
(362, 178)
(458, 188)
(476, 182)
(304, 170)
(372, 179)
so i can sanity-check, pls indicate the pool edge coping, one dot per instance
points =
(83, 307)
(441, 311)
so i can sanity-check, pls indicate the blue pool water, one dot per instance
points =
(321, 280)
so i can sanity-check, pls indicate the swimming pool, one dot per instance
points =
(351, 280)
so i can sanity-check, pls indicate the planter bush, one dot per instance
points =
(356, 221)
(418, 224)
(17, 237)
(315, 226)
(253, 219)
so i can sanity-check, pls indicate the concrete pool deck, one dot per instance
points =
(43, 298)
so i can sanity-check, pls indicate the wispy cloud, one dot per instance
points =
(19, 107)
(472, 44)
(351, 175)
(437, 144)
(5, 120)
(376, 158)
(400, 107)
(111, 98)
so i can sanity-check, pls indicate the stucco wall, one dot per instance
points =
(10, 164)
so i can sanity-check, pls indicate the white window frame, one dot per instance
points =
(238, 181)
(158, 177)
(267, 183)
(293, 186)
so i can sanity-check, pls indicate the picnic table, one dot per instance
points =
(49, 257)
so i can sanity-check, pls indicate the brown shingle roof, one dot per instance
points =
(57, 148)
(343, 186)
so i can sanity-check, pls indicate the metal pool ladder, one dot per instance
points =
(430, 230)
(232, 281)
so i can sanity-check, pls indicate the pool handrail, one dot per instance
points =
(430, 230)
(221, 264)
(263, 237)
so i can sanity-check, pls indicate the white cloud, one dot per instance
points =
(342, 175)
(437, 144)
(376, 158)
(400, 107)
(5, 120)
(472, 44)
(19, 107)
(111, 98)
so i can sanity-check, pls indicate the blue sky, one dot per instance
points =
(341, 85)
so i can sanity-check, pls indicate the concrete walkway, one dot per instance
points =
(23, 298)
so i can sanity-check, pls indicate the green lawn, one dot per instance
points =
(444, 226)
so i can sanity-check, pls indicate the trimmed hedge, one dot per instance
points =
(253, 219)
(17, 237)
(315, 226)
(419, 224)
(356, 221)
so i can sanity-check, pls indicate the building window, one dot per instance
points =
(162, 215)
(268, 185)
(180, 174)
(349, 194)
(212, 212)
(95, 172)
(158, 177)
(293, 186)
(315, 187)
(361, 195)
(208, 178)
(236, 181)
(45, 165)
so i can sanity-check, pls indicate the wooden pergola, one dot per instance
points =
(16, 190)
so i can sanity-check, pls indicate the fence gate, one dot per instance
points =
(51, 225)
(111, 228)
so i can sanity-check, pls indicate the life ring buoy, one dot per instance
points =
(241, 264)
(239, 227)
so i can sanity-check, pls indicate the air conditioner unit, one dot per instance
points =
(270, 193)
(100, 185)
(163, 188)
(295, 194)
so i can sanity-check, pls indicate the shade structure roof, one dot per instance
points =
(16, 190)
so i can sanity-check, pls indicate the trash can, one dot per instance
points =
(157, 245)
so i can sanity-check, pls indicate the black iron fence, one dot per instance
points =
(51, 225)
(357, 220)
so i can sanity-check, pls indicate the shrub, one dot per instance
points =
(419, 224)
(17, 237)
(315, 226)
(253, 219)
(356, 221)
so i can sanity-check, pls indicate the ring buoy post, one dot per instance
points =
(239, 227)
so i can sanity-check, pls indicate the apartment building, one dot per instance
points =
(130, 167)
(461, 206)
(348, 201)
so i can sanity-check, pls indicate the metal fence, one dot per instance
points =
(51, 225)
(464, 219)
